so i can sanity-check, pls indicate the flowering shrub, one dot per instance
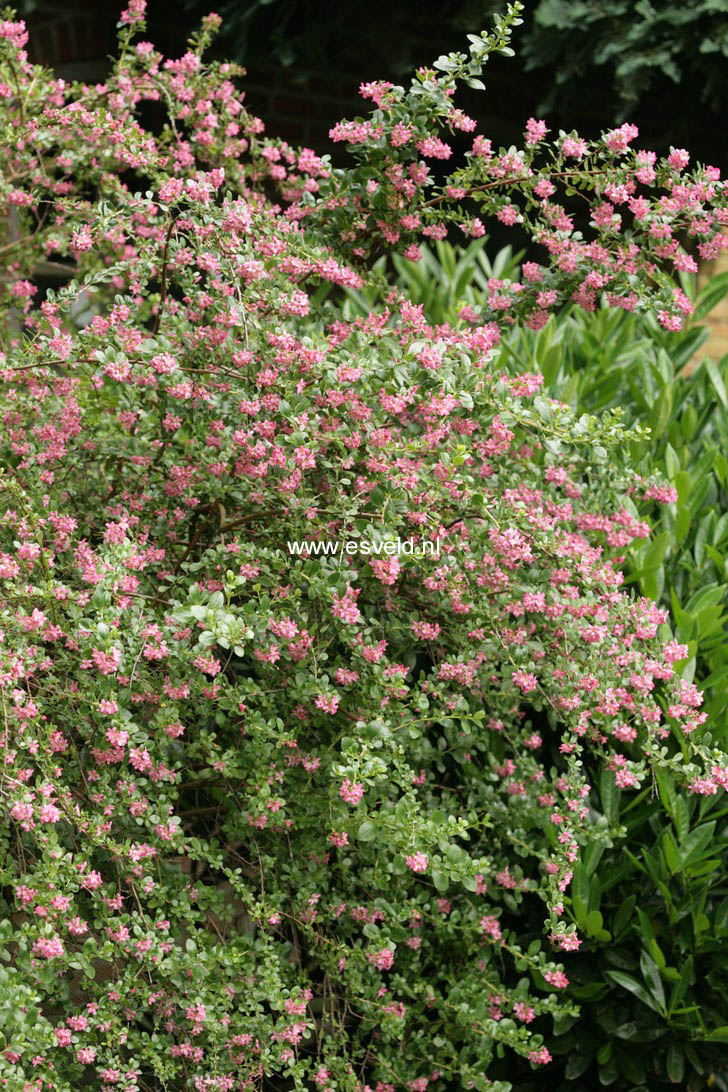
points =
(611, 359)
(651, 969)
(274, 817)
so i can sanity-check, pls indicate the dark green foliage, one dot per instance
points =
(651, 976)
(631, 46)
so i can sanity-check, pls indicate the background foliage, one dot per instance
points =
(654, 902)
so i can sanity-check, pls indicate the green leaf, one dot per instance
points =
(609, 795)
(623, 915)
(666, 788)
(721, 466)
(717, 380)
(440, 879)
(701, 537)
(717, 558)
(580, 911)
(718, 1035)
(592, 856)
(675, 1064)
(631, 1066)
(689, 423)
(708, 596)
(672, 854)
(580, 883)
(655, 553)
(367, 831)
(578, 1063)
(693, 845)
(681, 818)
(672, 463)
(710, 297)
(551, 364)
(651, 975)
(682, 524)
(683, 485)
(594, 922)
(627, 982)
(660, 413)
(608, 1073)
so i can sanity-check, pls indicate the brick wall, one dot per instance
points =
(717, 321)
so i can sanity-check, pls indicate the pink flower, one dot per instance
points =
(82, 239)
(557, 979)
(401, 134)
(208, 665)
(433, 148)
(49, 947)
(386, 571)
(49, 813)
(508, 215)
(22, 812)
(351, 792)
(670, 322)
(568, 941)
(618, 139)
(673, 651)
(524, 681)
(678, 158)
(574, 147)
(171, 189)
(345, 607)
(535, 131)
(163, 363)
(134, 13)
(490, 926)
(106, 662)
(327, 703)
(418, 862)
(382, 960)
(117, 737)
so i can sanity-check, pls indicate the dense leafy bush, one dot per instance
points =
(658, 379)
(651, 987)
(306, 819)
(618, 361)
(658, 893)
(631, 47)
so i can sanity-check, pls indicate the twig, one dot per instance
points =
(163, 290)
